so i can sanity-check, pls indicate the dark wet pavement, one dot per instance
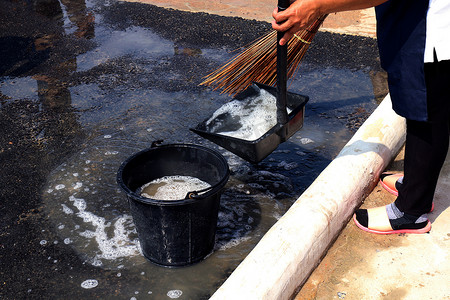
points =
(99, 80)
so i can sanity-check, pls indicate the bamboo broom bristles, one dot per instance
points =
(258, 62)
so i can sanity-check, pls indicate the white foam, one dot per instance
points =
(288, 166)
(172, 187)
(96, 262)
(78, 185)
(66, 209)
(111, 152)
(255, 115)
(119, 245)
(78, 203)
(89, 284)
(173, 294)
(59, 187)
(306, 141)
(234, 242)
(87, 234)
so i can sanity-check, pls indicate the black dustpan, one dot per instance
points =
(287, 124)
(256, 150)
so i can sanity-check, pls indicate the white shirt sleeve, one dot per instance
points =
(438, 31)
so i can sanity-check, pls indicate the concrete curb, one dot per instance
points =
(293, 247)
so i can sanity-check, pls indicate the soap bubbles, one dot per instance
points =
(89, 284)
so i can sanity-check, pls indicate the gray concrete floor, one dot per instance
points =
(360, 265)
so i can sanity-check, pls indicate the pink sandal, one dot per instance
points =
(375, 220)
(389, 181)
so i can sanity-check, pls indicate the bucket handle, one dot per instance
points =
(195, 194)
(204, 192)
(157, 143)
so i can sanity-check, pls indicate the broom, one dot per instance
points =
(258, 63)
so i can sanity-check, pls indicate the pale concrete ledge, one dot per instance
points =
(293, 247)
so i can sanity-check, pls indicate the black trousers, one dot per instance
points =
(427, 144)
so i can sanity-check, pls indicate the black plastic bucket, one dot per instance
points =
(175, 232)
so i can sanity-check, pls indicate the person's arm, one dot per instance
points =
(301, 13)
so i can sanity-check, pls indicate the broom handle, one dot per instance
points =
(282, 116)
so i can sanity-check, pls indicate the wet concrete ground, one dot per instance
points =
(75, 75)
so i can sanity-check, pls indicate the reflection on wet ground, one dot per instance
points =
(83, 85)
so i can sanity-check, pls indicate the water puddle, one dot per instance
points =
(90, 211)
(136, 41)
(91, 215)
(19, 87)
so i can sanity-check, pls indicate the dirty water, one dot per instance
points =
(92, 88)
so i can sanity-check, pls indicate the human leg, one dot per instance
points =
(425, 152)
(427, 144)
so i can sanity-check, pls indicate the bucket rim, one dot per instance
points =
(215, 189)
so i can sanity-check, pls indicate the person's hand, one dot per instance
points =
(299, 15)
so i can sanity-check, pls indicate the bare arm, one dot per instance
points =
(302, 13)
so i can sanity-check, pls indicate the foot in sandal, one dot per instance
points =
(389, 219)
(391, 182)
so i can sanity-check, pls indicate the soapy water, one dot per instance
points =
(91, 213)
(173, 294)
(247, 119)
(89, 284)
(172, 187)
